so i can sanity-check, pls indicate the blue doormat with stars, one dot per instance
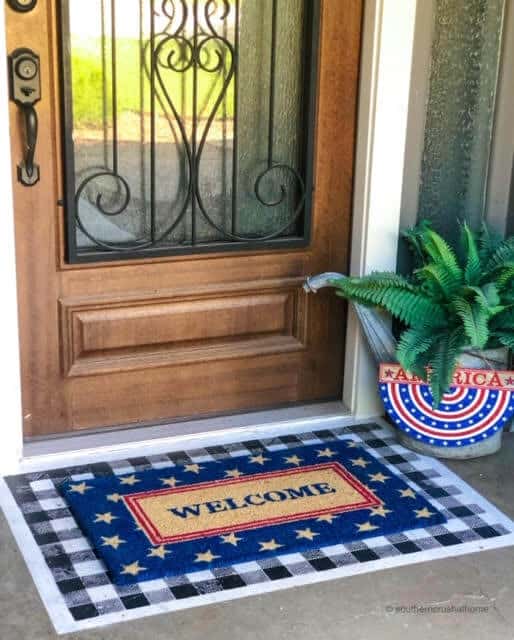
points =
(190, 517)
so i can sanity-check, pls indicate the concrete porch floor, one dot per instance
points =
(360, 607)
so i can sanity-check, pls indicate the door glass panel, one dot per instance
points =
(187, 125)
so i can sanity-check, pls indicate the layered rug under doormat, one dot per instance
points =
(118, 540)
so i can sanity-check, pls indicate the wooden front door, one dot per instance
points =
(194, 164)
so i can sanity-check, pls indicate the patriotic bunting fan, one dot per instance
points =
(479, 403)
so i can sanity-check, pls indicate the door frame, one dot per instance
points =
(386, 66)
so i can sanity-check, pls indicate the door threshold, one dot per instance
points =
(61, 451)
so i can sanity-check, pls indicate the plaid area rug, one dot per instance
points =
(153, 524)
(77, 589)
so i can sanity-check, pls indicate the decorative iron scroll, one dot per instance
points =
(198, 41)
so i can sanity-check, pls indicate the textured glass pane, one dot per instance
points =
(460, 111)
(188, 120)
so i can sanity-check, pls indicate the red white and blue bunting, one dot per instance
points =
(479, 403)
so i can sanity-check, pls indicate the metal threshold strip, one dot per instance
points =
(195, 432)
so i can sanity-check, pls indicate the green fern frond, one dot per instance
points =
(414, 342)
(504, 275)
(400, 301)
(414, 239)
(488, 298)
(504, 320)
(506, 338)
(442, 254)
(474, 318)
(473, 269)
(488, 242)
(444, 362)
(503, 254)
(439, 280)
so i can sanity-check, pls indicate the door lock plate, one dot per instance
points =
(25, 82)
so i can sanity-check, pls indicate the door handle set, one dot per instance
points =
(25, 91)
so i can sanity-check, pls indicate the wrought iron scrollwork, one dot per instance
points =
(194, 40)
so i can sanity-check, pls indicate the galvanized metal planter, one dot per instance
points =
(471, 418)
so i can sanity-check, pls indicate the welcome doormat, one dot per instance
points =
(155, 524)
(79, 593)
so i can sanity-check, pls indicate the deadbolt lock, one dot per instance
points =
(22, 5)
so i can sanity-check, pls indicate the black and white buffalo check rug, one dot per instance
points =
(78, 593)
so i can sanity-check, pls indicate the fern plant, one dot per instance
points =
(455, 299)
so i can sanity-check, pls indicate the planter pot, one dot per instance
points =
(471, 419)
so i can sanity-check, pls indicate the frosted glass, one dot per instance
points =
(233, 105)
(460, 111)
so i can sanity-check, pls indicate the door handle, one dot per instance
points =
(28, 168)
(25, 91)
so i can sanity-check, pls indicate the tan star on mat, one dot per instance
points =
(158, 552)
(260, 459)
(423, 513)
(170, 482)
(366, 526)
(360, 462)
(193, 467)
(230, 538)
(326, 453)
(378, 477)
(132, 569)
(327, 517)
(293, 460)
(113, 542)
(114, 497)
(233, 473)
(130, 480)
(271, 545)
(207, 556)
(352, 444)
(306, 534)
(105, 517)
(379, 511)
(79, 488)
(407, 493)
